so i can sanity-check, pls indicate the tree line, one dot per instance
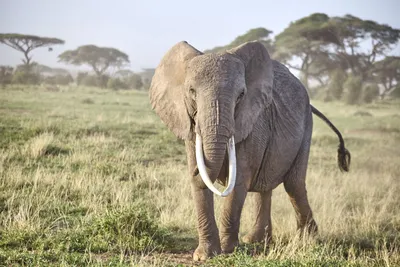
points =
(337, 58)
(102, 60)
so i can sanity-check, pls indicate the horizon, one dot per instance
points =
(162, 23)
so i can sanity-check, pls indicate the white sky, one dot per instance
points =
(146, 29)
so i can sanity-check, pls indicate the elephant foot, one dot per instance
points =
(311, 228)
(257, 236)
(206, 251)
(229, 243)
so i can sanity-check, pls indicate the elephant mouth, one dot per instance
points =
(202, 167)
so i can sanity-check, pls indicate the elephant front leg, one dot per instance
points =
(262, 229)
(209, 243)
(231, 213)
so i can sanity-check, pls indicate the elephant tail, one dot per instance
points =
(344, 156)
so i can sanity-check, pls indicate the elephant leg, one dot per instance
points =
(230, 220)
(262, 229)
(209, 243)
(295, 186)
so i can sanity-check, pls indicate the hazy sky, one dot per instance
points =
(146, 29)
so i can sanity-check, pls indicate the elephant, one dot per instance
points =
(246, 122)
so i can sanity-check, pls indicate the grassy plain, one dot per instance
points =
(92, 177)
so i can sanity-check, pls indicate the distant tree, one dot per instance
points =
(257, 34)
(147, 76)
(301, 46)
(387, 73)
(353, 90)
(336, 83)
(370, 92)
(99, 58)
(124, 73)
(317, 44)
(27, 43)
(351, 32)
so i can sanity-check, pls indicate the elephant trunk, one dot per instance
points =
(215, 148)
(214, 137)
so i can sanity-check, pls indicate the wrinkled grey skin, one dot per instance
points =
(241, 92)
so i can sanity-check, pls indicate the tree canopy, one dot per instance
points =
(387, 73)
(27, 43)
(99, 58)
(318, 44)
(257, 34)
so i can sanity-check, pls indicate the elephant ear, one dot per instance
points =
(166, 89)
(259, 76)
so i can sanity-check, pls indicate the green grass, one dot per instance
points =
(92, 177)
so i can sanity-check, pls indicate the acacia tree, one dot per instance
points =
(303, 46)
(27, 43)
(387, 73)
(351, 32)
(257, 34)
(321, 44)
(99, 58)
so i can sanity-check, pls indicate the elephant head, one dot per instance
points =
(214, 99)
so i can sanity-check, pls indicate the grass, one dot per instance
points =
(92, 177)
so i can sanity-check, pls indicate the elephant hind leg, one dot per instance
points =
(295, 186)
(262, 229)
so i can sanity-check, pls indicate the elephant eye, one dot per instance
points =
(240, 96)
(192, 93)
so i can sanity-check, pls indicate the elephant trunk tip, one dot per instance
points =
(344, 158)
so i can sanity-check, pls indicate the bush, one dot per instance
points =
(370, 92)
(26, 77)
(321, 93)
(6, 74)
(80, 77)
(396, 92)
(353, 86)
(116, 83)
(86, 79)
(336, 83)
(59, 79)
(134, 81)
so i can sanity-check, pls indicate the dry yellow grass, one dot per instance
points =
(65, 162)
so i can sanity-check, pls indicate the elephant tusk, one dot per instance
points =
(202, 168)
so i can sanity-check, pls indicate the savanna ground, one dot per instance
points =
(92, 177)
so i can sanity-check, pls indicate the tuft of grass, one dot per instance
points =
(88, 101)
(128, 232)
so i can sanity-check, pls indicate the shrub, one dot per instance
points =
(134, 81)
(116, 83)
(353, 86)
(131, 230)
(88, 80)
(396, 92)
(370, 92)
(59, 79)
(26, 77)
(6, 74)
(80, 77)
(336, 82)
